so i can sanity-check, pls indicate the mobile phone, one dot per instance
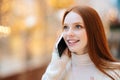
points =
(61, 46)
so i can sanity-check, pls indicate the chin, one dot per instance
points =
(71, 50)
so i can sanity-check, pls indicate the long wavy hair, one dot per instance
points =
(97, 43)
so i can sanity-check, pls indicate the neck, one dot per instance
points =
(81, 59)
(80, 53)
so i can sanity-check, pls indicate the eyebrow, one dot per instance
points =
(74, 23)
(78, 23)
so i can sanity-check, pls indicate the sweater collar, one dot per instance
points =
(79, 60)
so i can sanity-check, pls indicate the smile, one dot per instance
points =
(72, 42)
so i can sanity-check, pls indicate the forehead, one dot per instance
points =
(72, 17)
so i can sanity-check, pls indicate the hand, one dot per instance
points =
(61, 46)
(57, 65)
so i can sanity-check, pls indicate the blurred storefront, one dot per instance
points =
(24, 47)
(29, 28)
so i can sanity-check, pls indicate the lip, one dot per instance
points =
(72, 42)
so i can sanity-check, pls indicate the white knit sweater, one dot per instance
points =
(78, 67)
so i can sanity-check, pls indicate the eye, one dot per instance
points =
(78, 26)
(65, 27)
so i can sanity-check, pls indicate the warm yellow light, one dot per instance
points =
(5, 30)
(58, 4)
(30, 21)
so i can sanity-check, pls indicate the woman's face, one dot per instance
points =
(74, 33)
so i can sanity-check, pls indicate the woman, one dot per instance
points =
(87, 56)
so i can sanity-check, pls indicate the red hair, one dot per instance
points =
(97, 43)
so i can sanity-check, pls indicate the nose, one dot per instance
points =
(70, 32)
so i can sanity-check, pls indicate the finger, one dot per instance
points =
(65, 51)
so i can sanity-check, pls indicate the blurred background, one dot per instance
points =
(29, 28)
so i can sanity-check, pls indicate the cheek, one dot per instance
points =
(64, 36)
(85, 37)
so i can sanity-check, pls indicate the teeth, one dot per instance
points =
(71, 41)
